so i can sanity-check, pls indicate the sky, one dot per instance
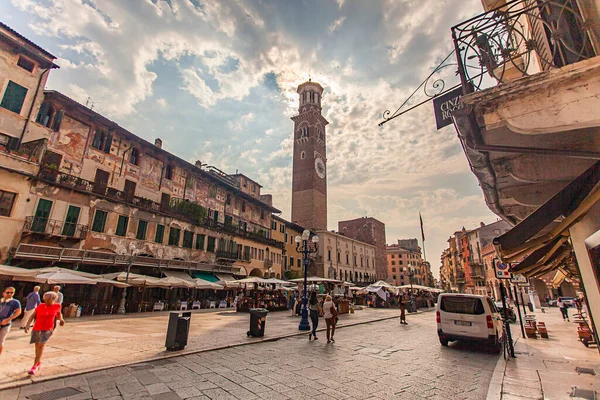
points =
(216, 81)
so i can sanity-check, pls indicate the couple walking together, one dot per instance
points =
(46, 315)
(329, 313)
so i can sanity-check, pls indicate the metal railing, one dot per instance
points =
(40, 252)
(54, 227)
(521, 38)
(172, 209)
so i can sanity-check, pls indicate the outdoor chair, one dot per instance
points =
(183, 306)
(158, 306)
(212, 305)
(223, 304)
(196, 305)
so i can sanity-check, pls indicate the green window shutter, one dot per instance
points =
(174, 234)
(99, 221)
(188, 239)
(160, 234)
(14, 96)
(71, 221)
(141, 231)
(211, 244)
(200, 242)
(122, 225)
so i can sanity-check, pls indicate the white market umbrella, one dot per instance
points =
(64, 277)
(382, 284)
(278, 281)
(138, 280)
(252, 279)
(203, 284)
(174, 282)
(16, 272)
(315, 279)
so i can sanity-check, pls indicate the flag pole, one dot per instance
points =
(422, 237)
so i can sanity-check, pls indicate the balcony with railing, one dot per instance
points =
(177, 208)
(232, 255)
(460, 277)
(521, 38)
(52, 227)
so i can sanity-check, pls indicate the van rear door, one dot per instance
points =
(463, 316)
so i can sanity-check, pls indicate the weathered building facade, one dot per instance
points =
(79, 190)
(531, 134)
(341, 257)
(405, 264)
(369, 230)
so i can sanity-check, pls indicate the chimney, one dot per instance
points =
(158, 143)
(198, 163)
(481, 224)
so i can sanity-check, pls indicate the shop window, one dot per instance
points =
(188, 239)
(174, 234)
(160, 234)
(141, 231)
(14, 97)
(122, 224)
(26, 64)
(7, 201)
(99, 221)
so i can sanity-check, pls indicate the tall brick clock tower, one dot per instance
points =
(309, 180)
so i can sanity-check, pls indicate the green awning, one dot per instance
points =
(207, 276)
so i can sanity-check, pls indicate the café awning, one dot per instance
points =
(207, 276)
(570, 204)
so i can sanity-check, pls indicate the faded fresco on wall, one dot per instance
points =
(150, 173)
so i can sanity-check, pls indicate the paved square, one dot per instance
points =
(379, 360)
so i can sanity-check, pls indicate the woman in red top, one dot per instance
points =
(45, 315)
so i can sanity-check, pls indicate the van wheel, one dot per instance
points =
(495, 345)
(444, 342)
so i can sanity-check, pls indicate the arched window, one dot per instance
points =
(134, 158)
(304, 131)
(319, 134)
(169, 172)
(302, 155)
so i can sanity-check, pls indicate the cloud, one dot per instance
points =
(241, 123)
(336, 24)
(228, 72)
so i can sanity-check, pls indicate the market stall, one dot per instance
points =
(261, 293)
(337, 289)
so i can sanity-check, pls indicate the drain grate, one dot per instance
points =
(56, 394)
(583, 393)
(581, 370)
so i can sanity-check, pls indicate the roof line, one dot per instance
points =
(46, 52)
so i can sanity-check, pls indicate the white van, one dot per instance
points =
(468, 317)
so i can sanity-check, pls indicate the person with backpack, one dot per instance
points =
(330, 314)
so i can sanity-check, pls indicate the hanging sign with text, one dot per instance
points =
(444, 105)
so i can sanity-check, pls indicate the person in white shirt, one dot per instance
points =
(59, 300)
(563, 309)
(329, 313)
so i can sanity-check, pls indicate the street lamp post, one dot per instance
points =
(306, 247)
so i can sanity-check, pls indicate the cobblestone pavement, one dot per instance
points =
(380, 360)
(112, 340)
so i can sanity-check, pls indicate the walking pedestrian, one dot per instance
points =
(45, 316)
(402, 301)
(9, 309)
(33, 300)
(315, 310)
(563, 309)
(330, 315)
(59, 300)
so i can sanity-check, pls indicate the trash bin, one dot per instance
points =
(178, 330)
(530, 307)
(411, 306)
(258, 319)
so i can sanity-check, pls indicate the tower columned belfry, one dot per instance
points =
(309, 180)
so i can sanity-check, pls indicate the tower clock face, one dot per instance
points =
(320, 167)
